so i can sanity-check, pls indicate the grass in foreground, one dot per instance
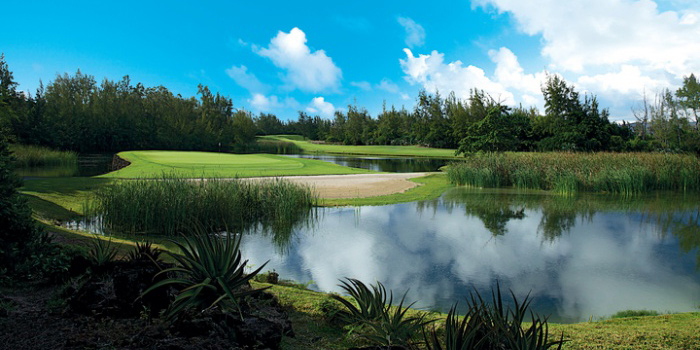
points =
(408, 151)
(568, 173)
(153, 164)
(27, 156)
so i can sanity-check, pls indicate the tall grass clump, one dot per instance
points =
(268, 146)
(568, 173)
(27, 156)
(493, 325)
(170, 205)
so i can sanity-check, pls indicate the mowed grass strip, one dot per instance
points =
(153, 164)
(396, 151)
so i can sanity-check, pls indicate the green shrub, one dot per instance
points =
(635, 313)
(25, 249)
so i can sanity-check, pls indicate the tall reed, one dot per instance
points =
(171, 205)
(27, 156)
(568, 173)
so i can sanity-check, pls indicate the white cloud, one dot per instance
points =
(262, 103)
(246, 79)
(319, 105)
(305, 70)
(415, 34)
(434, 74)
(586, 33)
(628, 81)
(364, 85)
(388, 86)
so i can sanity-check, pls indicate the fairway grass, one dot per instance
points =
(395, 151)
(153, 164)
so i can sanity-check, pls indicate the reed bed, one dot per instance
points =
(268, 146)
(28, 156)
(172, 205)
(568, 173)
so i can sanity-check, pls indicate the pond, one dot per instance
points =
(387, 164)
(578, 257)
(88, 165)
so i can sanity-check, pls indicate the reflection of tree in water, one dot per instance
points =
(283, 230)
(675, 213)
(685, 226)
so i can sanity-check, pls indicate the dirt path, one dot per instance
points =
(356, 185)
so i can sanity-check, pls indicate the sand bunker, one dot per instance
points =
(356, 185)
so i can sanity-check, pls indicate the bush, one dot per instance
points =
(25, 249)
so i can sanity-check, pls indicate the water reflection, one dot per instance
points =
(388, 164)
(580, 257)
(88, 165)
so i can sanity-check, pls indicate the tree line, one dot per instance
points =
(571, 122)
(73, 112)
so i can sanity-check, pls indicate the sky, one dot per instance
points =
(283, 57)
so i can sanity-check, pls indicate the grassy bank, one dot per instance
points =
(171, 205)
(153, 164)
(567, 173)
(27, 156)
(396, 151)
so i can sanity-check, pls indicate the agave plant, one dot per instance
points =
(377, 320)
(144, 252)
(493, 326)
(101, 251)
(209, 273)
(370, 302)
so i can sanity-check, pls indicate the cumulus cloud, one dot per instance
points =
(321, 106)
(434, 74)
(629, 80)
(262, 103)
(583, 33)
(305, 70)
(415, 34)
(246, 79)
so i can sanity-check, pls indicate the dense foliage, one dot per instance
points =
(25, 249)
(74, 112)
(571, 122)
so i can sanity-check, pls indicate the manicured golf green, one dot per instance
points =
(396, 151)
(151, 164)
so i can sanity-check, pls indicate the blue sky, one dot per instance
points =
(282, 57)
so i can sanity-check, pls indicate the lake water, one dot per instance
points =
(88, 165)
(581, 257)
(388, 164)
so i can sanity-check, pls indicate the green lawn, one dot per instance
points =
(151, 164)
(406, 151)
